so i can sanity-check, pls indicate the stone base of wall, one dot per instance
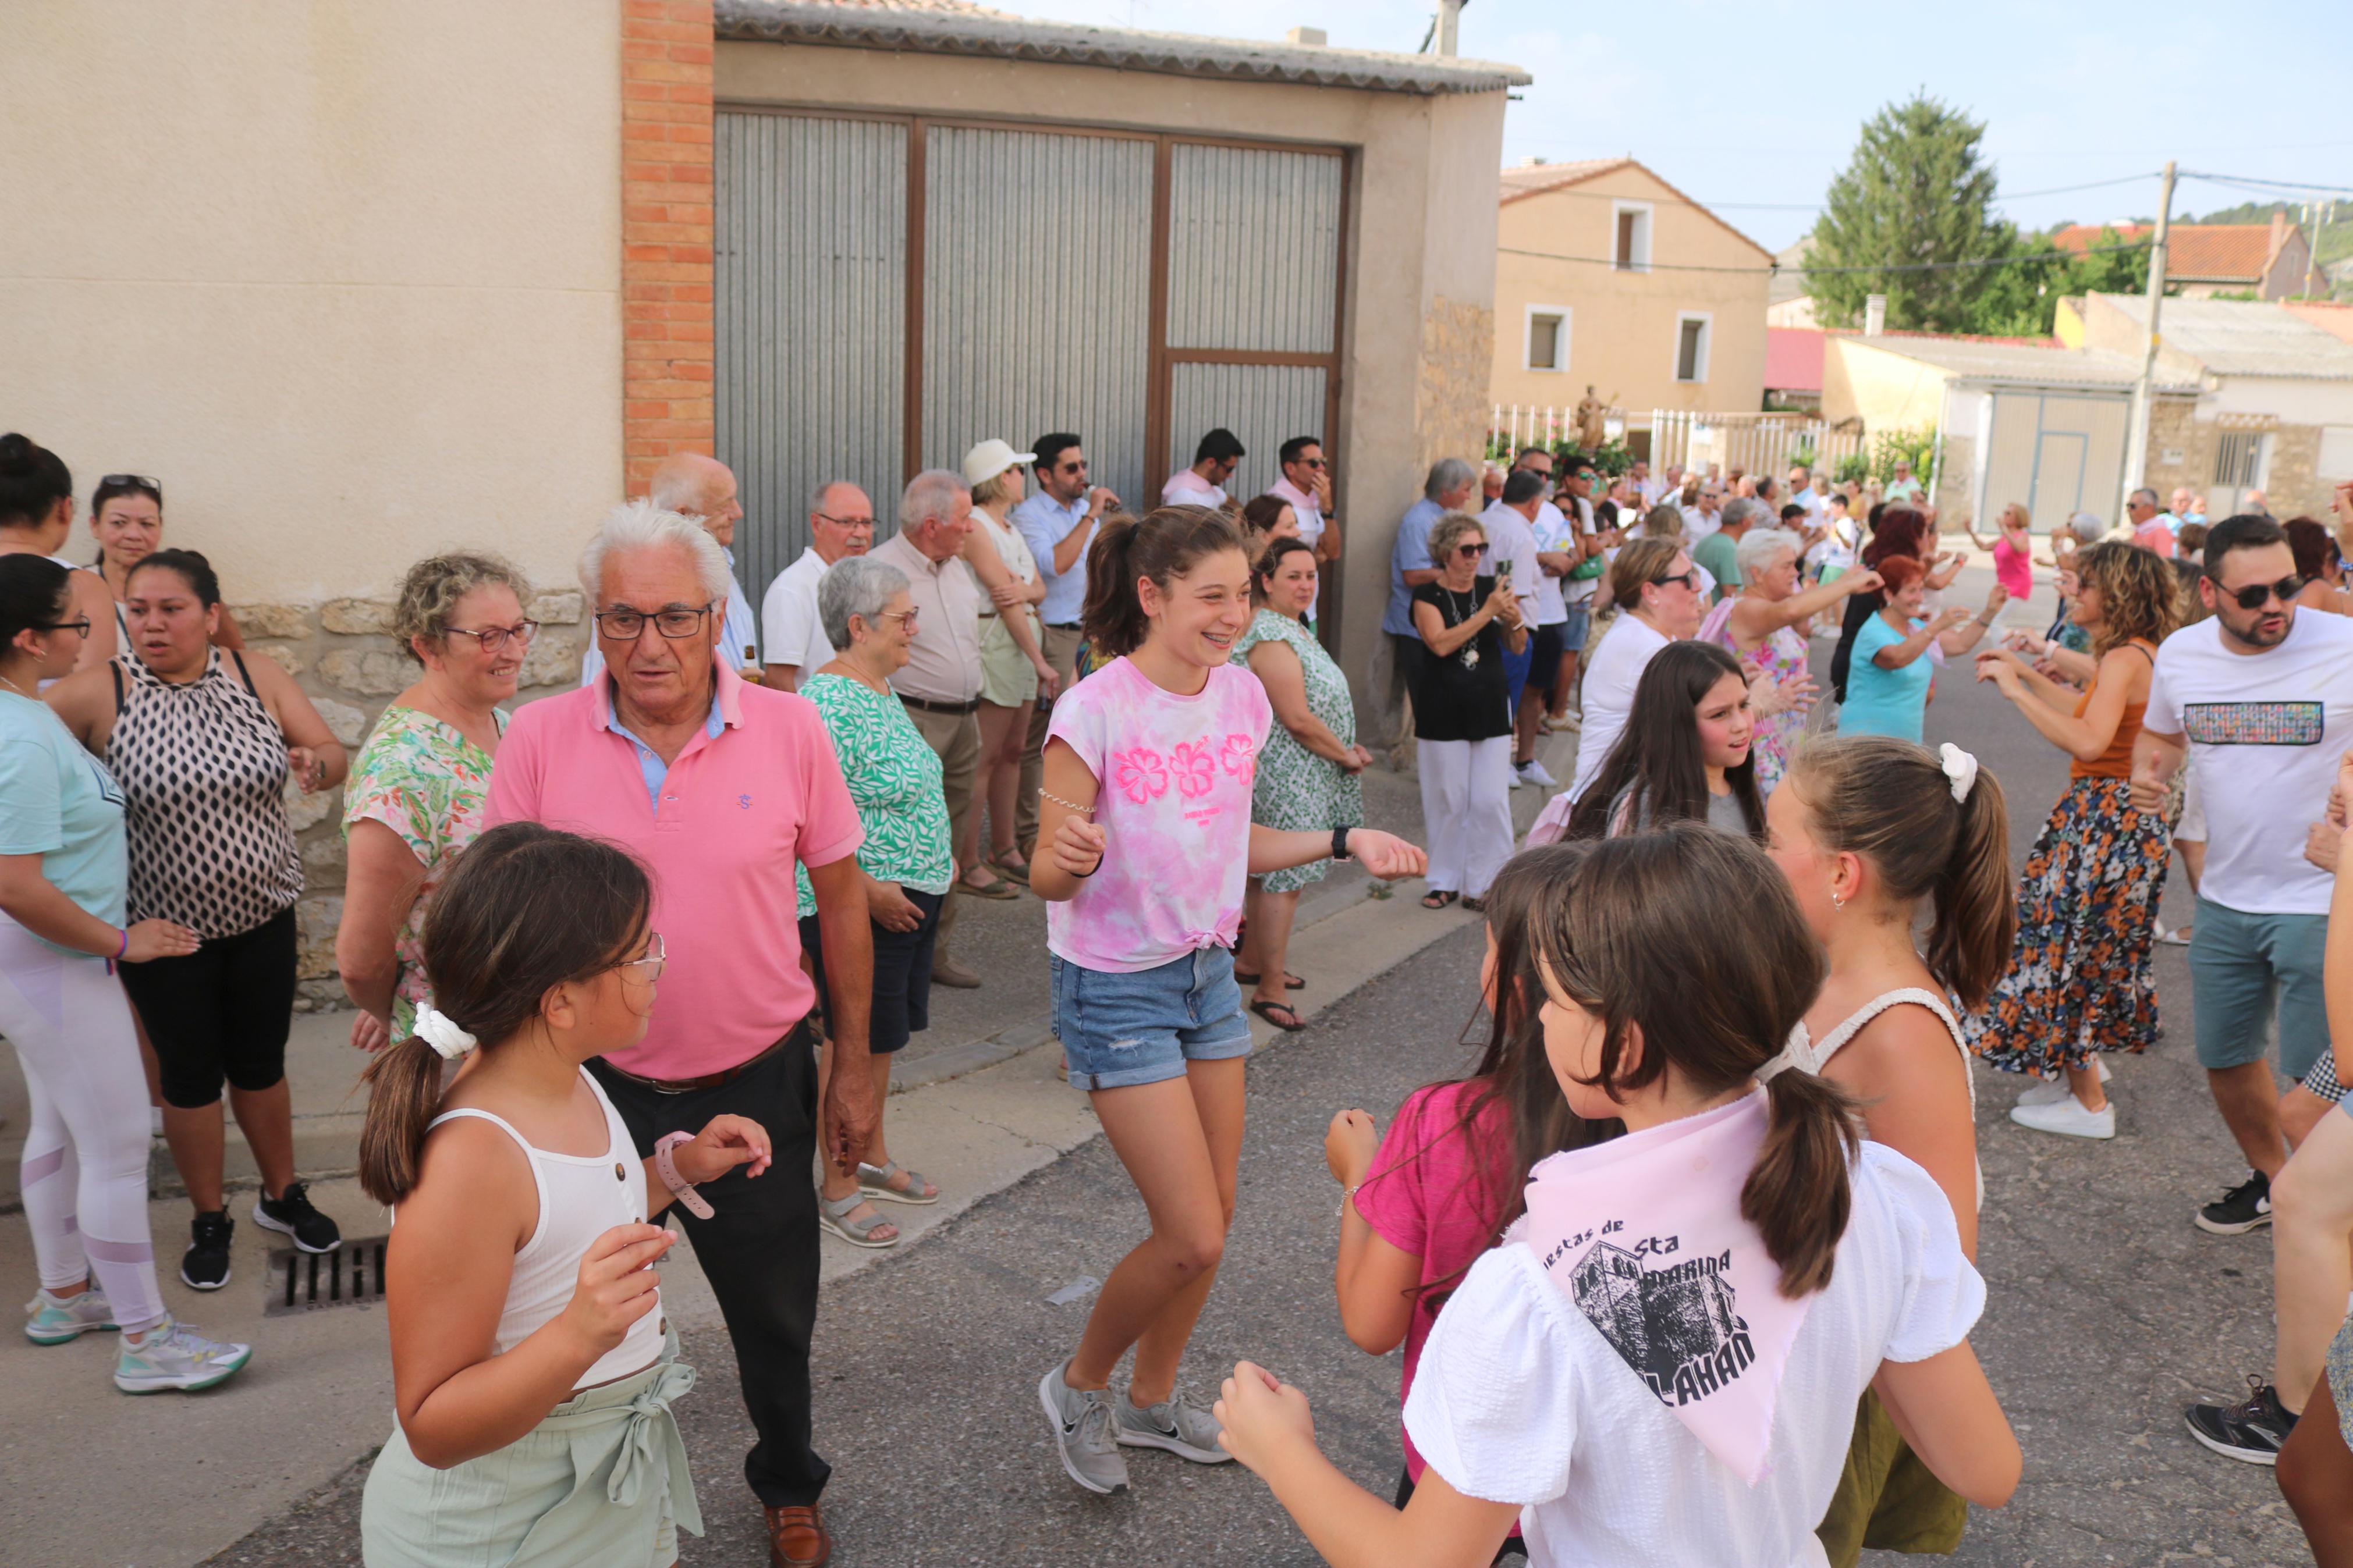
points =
(344, 658)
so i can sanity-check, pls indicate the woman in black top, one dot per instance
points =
(1462, 717)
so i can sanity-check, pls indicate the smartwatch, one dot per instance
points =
(1340, 844)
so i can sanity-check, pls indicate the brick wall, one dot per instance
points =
(666, 215)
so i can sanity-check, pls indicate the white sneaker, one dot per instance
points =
(154, 1122)
(2067, 1118)
(173, 1355)
(1533, 771)
(1520, 778)
(2050, 1092)
(2177, 937)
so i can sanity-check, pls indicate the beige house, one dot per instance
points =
(1591, 290)
(361, 283)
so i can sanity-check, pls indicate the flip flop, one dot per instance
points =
(1434, 900)
(1268, 1010)
(996, 888)
(1015, 871)
(1289, 982)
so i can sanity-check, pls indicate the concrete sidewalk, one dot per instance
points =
(977, 1116)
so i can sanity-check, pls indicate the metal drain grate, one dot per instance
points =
(352, 1276)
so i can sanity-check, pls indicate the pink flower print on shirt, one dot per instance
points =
(1240, 759)
(1140, 774)
(1196, 771)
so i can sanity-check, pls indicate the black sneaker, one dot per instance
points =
(2251, 1431)
(290, 1212)
(2242, 1209)
(206, 1267)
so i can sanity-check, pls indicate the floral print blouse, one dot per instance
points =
(894, 781)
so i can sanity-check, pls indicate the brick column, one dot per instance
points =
(666, 217)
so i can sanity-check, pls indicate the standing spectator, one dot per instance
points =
(1449, 488)
(1802, 492)
(940, 682)
(202, 756)
(703, 489)
(126, 518)
(841, 524)
(2315, 562)
(1654, 581)
(2253, 504)
(1014, 670)
(36, 508)
(1638, 479)
(1266, 518)
(2146, 525)
(1556, 553)
(64, 863)
(1586, 547)
(718, 787)
(1902, 490)
(2262, 697)
(422, 779)
(1718, 555)
(1765, 624)
(2179, 510)
(1514, 556)
(1058, 523)
(1306, 485)
(1203, 484)
(904, 866)
(1308, 773)
(1703, 516)
(1461, 700)
(1768, 493)
(1490, 483)
(1889, 683)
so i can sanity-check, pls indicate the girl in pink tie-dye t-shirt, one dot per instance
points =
(1144, 840)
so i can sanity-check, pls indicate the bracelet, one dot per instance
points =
(1345, 1194)
(125, 946)
(1065, 805)
(679, 1187)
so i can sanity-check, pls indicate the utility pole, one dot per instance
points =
(2144, 399)
(1449, 17)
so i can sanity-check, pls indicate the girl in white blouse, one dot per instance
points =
(1661, 1363)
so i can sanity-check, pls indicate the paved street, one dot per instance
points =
(2108, 1312)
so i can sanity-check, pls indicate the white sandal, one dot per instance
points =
(834, 1215)
(874, 1182)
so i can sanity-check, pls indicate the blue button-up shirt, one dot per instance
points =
(1409, 553)
(1045, 522)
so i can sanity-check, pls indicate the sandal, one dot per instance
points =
(1289, 982)
(874, 1181)
(834, 1215)
(1434, 900)
(1015, 871)
(1268, 1010)
(1476, 906)
(995, 888)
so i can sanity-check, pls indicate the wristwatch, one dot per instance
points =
(666, 1167)
(1340, 844)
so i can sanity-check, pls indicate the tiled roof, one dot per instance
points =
(2244, 337)
(2230, 252)
(935, 26)
(1524, 180)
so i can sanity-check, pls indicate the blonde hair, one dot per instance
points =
(429, 593)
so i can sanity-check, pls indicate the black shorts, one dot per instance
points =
(221, 1013)
(901, 1006)
(1545, 649)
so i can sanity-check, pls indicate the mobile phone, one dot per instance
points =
(1503, 567)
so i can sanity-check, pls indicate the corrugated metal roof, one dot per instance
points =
(2244, 337)
(2203, 252)
(969, 31)
(2034, 365)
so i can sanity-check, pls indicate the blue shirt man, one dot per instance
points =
(1450, 488)
(1058, 524)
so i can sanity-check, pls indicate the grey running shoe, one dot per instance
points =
(1178, 1425)
(1082, 1430)
(173, 1355)
(60, 1320)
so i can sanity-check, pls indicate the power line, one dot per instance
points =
(2247, 180)
(2034, 257)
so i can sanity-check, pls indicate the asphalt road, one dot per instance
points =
(2108, 1311)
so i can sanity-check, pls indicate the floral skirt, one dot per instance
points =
(2079, 980)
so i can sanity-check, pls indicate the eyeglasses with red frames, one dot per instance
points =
(493, 638)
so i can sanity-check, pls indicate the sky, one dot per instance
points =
(1753, 107)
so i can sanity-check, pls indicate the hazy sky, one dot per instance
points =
(1758, 102)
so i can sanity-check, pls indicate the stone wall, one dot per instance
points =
(345, 660)
(2293, 485)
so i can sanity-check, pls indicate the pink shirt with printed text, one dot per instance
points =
(1173, 798)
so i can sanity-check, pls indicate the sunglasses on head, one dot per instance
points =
(120, 482)
(2252, 597)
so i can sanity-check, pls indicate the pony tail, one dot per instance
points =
(404, 1091)
(1796, 1195)
(1113, 619)
(1976, 901)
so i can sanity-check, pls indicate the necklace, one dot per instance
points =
(17, 690)
(1468, 656)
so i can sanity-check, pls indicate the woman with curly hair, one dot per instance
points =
(2079, 981)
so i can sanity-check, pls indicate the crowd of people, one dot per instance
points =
(1684, 1266)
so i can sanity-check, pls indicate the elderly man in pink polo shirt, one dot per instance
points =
(719, 785)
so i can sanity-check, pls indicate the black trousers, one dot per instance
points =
(759, 1250)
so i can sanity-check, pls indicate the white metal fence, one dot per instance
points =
(1753, 442)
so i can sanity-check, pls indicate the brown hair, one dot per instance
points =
(1693, 937)
(2140, 593)
(1269, 561)
(1663, 521)
(1447, 532)
(2312, 546)
(429, 593)
(523, 909)
(1644, 561)
(1889, 802)
(1168, 542)
(1260, 513)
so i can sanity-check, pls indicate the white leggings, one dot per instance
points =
(85, 1163)
(1466, 809)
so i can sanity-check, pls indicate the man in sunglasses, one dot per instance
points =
(1058, 523)
(1306, 487)
(2262, 695)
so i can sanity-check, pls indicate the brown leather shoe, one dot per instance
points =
(797, 1538)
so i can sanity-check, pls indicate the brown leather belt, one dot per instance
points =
(953, 710)
(719, 1079)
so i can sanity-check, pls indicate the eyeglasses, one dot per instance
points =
(906, 618)
(1078, 467)
(132, 482)
(852, 523)
(1688, 579)
(1310, 462)
(493, 638)
(628, 626)
(656, 960)
(81, 626)
(1471, 552)
(2253, 598)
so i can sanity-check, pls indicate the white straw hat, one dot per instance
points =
(990, 458)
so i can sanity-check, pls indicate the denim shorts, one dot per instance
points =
(1119, 1030)
(1573, 630)
(2238, 964)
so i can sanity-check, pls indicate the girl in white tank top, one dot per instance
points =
(531, 1358)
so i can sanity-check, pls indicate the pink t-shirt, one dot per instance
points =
(2154, 535)
(1172, 795)
(1426, 1196)
(2013, 569)
(735, 811)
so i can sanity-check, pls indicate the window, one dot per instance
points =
(1629, 245)
(2239, 458)
(1693, 329)
(1547, 337)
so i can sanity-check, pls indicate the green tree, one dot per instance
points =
(1918, 191)
(2020, 300)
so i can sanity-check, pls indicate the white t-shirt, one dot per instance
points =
(788, 615)
(1572, 591)
(1509, 538)
(1551, 531)
(1185, 488)
(2266, 730)
(1518, 1398)
(1615, 671)
(1698, 524)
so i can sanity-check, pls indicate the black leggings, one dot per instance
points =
(221, 1013)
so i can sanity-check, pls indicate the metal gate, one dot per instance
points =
(891, 290)
(2058, 453)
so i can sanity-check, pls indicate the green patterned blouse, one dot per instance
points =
(894, 781)
(1296, 789)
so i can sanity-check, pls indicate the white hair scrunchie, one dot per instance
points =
(441, 1032)
(1961, 768)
